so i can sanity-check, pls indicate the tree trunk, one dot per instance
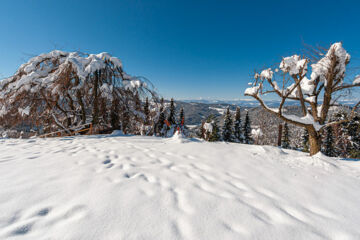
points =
(314, 141)
(279, 135)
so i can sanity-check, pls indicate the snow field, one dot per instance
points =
(118, 187)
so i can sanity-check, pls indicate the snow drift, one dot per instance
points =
(119, 187)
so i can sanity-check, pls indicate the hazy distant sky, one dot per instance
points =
(188, 49)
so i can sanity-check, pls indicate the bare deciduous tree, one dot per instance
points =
(315, 92)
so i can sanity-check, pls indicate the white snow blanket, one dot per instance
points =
(120, 187)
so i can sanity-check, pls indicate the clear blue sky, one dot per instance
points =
(188, 49)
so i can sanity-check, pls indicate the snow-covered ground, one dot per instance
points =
(118, 187)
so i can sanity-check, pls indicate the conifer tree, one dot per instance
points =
(342, 135)
(146, 111)
(215, 134)
(171, 117)
(354, 137)
(247, 130)
(237, 126)
(328, 148)
(182, 116)
(202, 130)
(285, 142)
(305, 140)
(125, 121)
(160, 123)
(227, 129)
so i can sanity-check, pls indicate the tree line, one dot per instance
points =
(232, 131)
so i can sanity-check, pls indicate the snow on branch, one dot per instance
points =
(66, 89)
(308, 88)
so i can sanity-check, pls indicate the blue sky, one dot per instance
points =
(188, 49)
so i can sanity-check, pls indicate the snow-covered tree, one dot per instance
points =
(247, 130)
(305, 141)
(237, 126)
(227, 133)
(347, 136)
(211, 129)
(160, 125)
(328, 143)
(171, 118)
(182, 117)
(354, 137)
(65, 91)
(215, 134)
(256, 134)
(285, 141)
(325, 81)
(342, 143)
(201, 133)
(147, 111)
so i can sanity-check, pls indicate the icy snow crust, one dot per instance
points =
(119, 187)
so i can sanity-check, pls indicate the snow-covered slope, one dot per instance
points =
(118, 187)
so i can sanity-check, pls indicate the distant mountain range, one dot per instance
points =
(254, 103)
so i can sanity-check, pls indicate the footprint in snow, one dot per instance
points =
(108, 163)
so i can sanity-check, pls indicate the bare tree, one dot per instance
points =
(316, 92)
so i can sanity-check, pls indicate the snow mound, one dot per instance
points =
(105, 187)
(117, 133)
(179, 137)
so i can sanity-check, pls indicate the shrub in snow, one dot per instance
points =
(65, 90)
(315, 91)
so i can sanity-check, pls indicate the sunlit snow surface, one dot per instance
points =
(119, 187)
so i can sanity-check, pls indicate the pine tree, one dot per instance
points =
(171, 117)
(285, 142)
(146, 111)
(247, 130)
(202, 131)
(215, 134)
(341, 135)
(160, 123)
(237, 126)
(328, 148)
(354, 137)
(125, 121)
(305, 141)
(227, 129)
(182, 117)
